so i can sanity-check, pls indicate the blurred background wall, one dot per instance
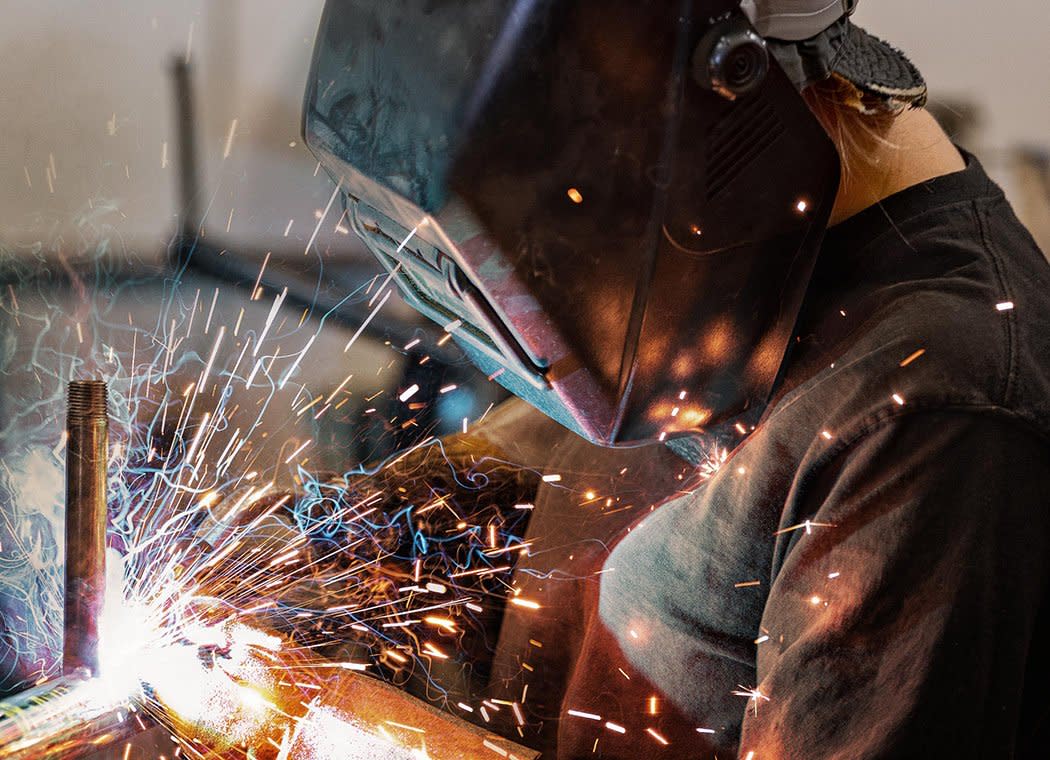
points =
(991, 55)
(87, 93)
(986, 65)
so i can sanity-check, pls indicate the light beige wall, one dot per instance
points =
(996, 57)
(86, 88)
(88, 84)
(995, 53)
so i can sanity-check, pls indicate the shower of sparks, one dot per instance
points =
(247, 578)
(240, 581)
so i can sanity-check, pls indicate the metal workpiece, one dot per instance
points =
(87, 430)
(69, 717)
(368, 703)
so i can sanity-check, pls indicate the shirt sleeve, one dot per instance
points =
(903, 613)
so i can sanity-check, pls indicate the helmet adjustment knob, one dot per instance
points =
(731, 58)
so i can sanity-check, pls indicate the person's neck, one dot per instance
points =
(912, 149)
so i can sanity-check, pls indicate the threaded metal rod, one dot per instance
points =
(87, 429)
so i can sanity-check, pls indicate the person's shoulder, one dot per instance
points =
(960, 319)
(1022, 274)
(982, 323)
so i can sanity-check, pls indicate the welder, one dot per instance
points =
(794, 338)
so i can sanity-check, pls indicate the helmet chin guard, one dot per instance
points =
(614, 207)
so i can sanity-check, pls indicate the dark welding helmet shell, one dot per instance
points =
(613, 206)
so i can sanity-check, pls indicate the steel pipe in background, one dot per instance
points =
(87, 429)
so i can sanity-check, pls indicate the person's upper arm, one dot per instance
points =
(900, 622)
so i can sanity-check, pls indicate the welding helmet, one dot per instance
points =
(613, 206)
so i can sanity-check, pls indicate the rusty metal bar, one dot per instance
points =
(87, 428)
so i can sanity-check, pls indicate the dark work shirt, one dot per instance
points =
(865, 575)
